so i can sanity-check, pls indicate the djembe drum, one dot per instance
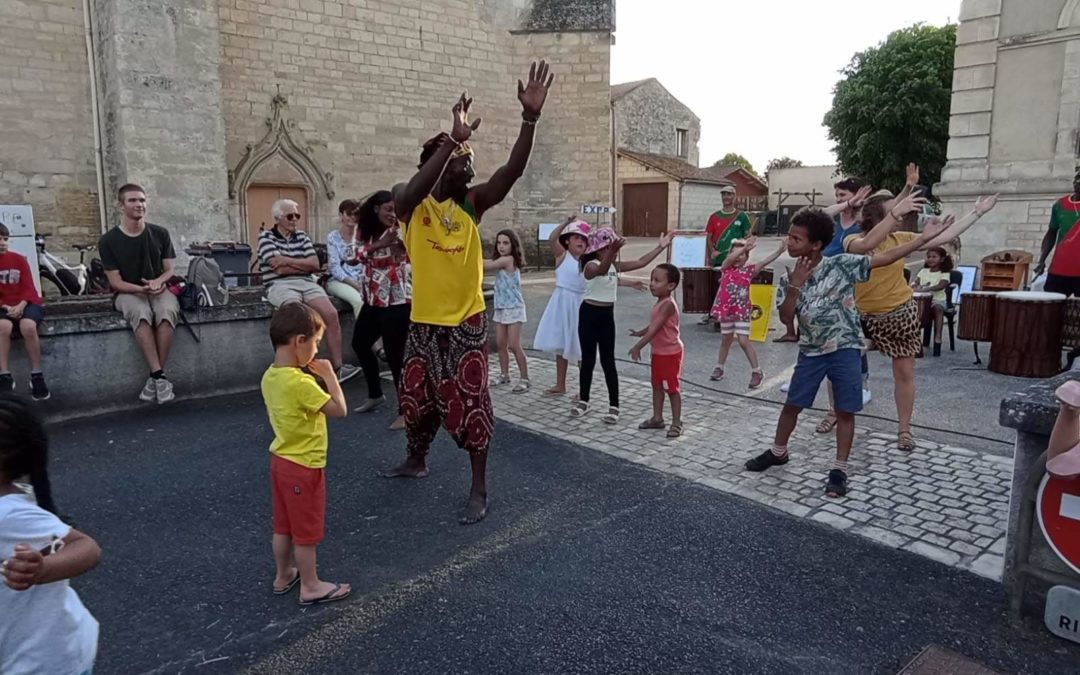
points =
(699, 286)
(976, 316)
(924, 301)
(1070, 326)
(1026, 341)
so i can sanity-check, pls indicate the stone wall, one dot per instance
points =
(646, 120)
(187, 86)
(368, 82)
(699, 201)
(46, 130)
(1015, 122)
(160, 74)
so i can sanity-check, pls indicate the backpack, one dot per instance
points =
(205, 285)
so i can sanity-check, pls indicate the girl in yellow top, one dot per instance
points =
(445, 377)
(934, 278)
(889, 314)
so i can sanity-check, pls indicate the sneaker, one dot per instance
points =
(163, 390)
(717, 374)
(7, 382)
(705, 320)
(149, 391)
(346, 372)
(836, 486)
(39, 391)
(866, 396)
(765, 460)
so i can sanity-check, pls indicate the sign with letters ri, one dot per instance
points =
(1058, 509)
(1063, 612)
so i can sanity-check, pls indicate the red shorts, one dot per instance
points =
(299, 500)
(667, 371)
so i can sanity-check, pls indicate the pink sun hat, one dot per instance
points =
(600, 238)
(578, 227)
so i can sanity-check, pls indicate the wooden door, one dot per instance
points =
(259, 200)
(644, 209)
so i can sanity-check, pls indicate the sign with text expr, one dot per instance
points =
(597, 209)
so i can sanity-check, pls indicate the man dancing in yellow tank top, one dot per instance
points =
(445, 377)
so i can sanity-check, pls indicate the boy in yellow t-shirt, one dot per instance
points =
(298, 408)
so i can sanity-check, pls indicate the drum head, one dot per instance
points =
(1031, 296)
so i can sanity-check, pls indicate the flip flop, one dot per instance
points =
(786, 338)
(329, 597)
(289, 587)
(1065, 465)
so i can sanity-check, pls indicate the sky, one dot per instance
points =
(759, 74)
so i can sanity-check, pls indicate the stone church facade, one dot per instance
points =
(1015, 123)
(219, 106)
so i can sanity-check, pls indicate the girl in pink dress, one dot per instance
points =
(732, 309)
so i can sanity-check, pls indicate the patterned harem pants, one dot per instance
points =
(445, 381)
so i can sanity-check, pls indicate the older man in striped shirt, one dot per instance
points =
(288, 265)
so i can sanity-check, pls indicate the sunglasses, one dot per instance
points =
(292, 216)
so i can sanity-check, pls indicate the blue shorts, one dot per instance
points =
(843, 368)
(31, 312)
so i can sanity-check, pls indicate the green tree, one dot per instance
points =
(892, 107)
(784, 162)
(735, 159)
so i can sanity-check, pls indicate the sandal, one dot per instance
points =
(675, 430)
(905, 442)
(612, 416)
(580, 409)
(284, 590)
(717, 374)
(827, 425)
(333, 596)
(756, 377)
(504, 379)
(652, 423)
(521, 387)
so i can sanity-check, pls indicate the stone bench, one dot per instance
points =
(1031, 413)
(93, 365)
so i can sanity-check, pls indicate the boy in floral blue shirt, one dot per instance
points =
(820, 294)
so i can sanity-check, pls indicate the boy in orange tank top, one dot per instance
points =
(662, 336)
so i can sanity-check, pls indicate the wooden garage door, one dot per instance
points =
(645, 209)
(259, 200)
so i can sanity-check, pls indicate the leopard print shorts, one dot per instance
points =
(895, 334)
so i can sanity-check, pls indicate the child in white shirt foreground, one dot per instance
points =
(44, 627)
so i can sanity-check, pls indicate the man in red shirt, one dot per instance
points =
(20, 314)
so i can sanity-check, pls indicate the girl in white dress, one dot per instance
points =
(558, 328)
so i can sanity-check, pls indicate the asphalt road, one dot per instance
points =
(956, 402)
(586, 564)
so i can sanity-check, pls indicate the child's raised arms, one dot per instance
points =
(505, 262)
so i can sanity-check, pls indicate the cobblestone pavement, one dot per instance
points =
(946, 503)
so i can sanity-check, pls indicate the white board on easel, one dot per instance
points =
(689, 250)
(544, 230)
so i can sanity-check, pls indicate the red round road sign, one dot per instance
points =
(1059, 517)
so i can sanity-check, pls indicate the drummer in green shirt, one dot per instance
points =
(724, 227)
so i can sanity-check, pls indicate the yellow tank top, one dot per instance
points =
(443, 241)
